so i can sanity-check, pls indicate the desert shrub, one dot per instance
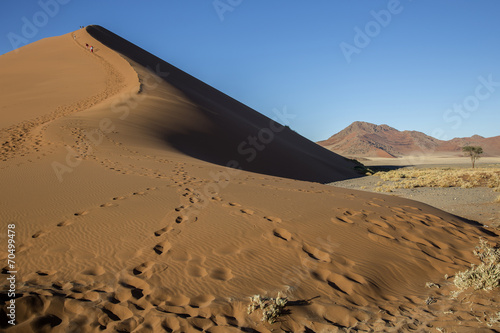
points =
(497, 199)
(271, 308)
(493, 321)
(484, 276)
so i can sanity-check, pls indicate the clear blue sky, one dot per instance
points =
(411, 64)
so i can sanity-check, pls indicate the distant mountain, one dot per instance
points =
(362, 139)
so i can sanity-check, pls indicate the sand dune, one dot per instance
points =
(128, 218)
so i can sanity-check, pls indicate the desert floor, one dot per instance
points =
(477, 204)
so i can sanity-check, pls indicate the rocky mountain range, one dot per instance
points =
(363, 139)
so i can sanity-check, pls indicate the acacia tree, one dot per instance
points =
(473, 152)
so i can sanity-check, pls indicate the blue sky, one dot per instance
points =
(425, 65)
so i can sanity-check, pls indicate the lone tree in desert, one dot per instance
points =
(473, 152)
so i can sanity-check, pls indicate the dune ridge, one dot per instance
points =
(13, 137)
(139, 228)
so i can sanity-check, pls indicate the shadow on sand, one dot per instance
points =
(236, 136)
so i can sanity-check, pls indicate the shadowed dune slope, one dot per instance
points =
(226, 136)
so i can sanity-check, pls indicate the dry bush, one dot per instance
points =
(271, 308)
(484, 276)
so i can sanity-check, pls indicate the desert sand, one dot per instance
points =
(121, 175)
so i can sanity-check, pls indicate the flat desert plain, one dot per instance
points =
(135, 198)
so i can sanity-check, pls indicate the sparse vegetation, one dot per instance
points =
(484, 276)
(441, 177)
(384, 188)
(271, 308)
(493, 321)
(497, 199)
(473, 152)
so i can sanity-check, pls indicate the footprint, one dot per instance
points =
(247, 211)
(162, 247)
(119, 198)
(39, 234)
(177, 300)
(381, 233)
(340, 283)
(107, 204)
(143, 268)
(65, 223)
(81, 213)
(162, 231)
(178, 209)
(201, 301)
(343, 219)
(282, 233)
(418, 240)
(90, 296)
(320, 274)
(381, 224)
(221, 274)
(316, 253)
(120, 295)
(234, 204)
(273, 219)
(181, 219)
(139, 287)
(44, 272)
(196, 271)
(117, 312)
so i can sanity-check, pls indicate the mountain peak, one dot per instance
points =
(364, 139)
(368, 127)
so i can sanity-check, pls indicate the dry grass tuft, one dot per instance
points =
(442, 177)
(271, 308)
(484, 276)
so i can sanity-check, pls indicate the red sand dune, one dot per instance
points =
(127, 218)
